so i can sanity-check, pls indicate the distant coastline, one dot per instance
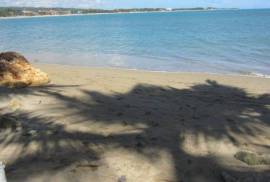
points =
(93, 14)
(16, 13)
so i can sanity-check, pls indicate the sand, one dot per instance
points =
(95, 124)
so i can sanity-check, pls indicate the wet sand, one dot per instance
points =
(94, 124)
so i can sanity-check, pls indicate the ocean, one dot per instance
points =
(231, 41)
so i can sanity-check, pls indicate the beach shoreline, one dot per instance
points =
(135, 98)
(82, 71)
(106, 124)
(252, 75)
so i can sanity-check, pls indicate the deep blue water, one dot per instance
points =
(236, 41)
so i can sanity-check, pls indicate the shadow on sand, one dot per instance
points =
(165, 117)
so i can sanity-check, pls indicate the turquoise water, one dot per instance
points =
(216, 41)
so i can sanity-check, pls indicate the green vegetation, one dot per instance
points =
(31, 11)
(5, 12)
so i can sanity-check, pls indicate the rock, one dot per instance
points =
(16, 71)
(252, 158)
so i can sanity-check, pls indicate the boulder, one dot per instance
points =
(16, 71)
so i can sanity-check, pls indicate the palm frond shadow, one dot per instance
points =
(164, 116)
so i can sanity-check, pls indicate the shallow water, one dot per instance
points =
(236, 41)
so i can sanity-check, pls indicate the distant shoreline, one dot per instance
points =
(89, 14)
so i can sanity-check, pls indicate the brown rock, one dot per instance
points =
(16, 71)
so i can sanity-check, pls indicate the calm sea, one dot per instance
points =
(236, 41)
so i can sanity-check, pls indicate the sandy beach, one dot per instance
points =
(97, 124)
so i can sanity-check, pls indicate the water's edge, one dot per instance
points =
(252, 75)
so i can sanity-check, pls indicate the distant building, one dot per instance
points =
(67, 12)
(47, 12)
(29, 13)
(54, 12)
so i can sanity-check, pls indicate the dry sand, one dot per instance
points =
(94, 124)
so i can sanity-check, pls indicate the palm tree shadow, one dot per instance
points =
(168, 119)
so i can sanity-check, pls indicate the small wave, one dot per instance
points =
(258, 75)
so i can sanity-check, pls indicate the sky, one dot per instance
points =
(112, 4)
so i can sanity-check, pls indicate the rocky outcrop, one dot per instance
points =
(16, 71)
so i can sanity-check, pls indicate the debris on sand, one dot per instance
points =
(252, 158)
